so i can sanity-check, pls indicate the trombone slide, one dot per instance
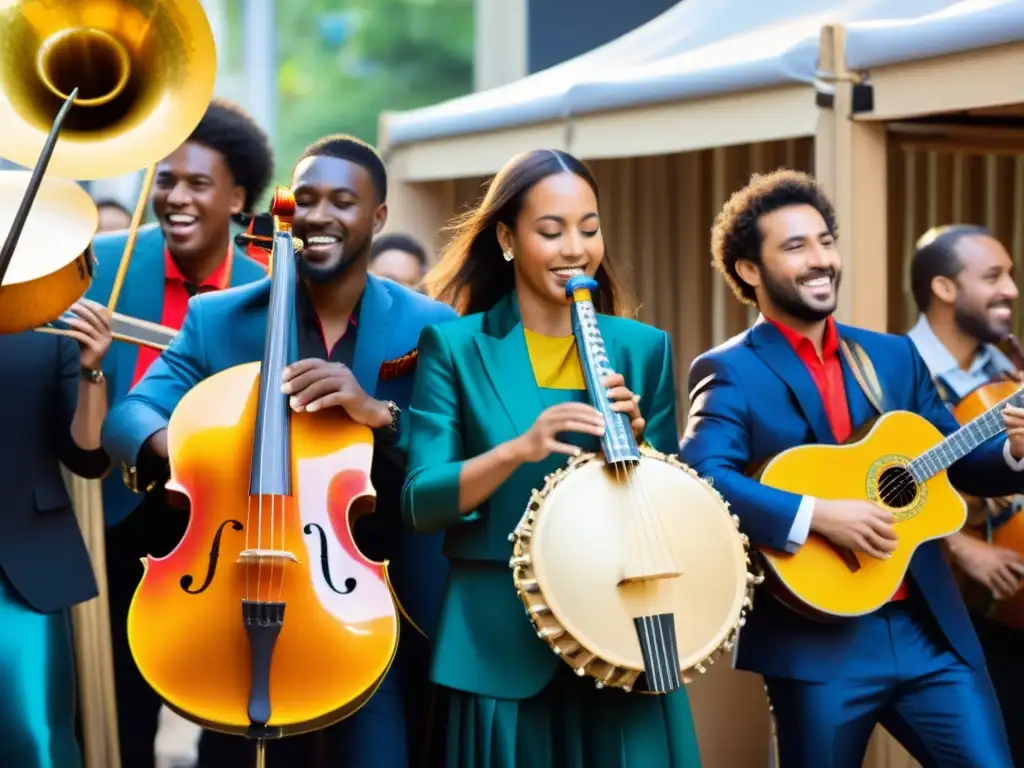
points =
(125, 328)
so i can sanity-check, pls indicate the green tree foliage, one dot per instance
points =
(343, 62)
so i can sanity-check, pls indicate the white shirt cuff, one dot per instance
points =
(1013, 463)
(802, 523)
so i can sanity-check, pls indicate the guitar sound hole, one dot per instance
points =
(896, 487)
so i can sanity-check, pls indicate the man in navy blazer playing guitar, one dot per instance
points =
(915, 664)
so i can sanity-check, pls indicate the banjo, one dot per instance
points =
(627, 562)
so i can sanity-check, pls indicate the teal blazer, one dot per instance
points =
(474, 390)
(142, 297)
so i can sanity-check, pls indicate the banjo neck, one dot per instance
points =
(618, 444)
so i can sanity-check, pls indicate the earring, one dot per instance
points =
(508, 255)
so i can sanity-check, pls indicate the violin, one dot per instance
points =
(266, 620)
(1010, 534)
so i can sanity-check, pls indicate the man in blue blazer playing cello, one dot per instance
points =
(221, 171)
(914, 665)
(357, 336)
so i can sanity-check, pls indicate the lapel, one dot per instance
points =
(142, 297)
(373, 339)
(860, 407)
(777, 353)
(502, 348)
(244, 270)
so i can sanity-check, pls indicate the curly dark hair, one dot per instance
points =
(229, 130)
(736, 234)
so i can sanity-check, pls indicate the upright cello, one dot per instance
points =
(265, 620)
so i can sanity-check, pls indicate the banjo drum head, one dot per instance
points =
(588, 525)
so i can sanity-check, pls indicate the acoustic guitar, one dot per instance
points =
(899, 460)
(1009, 534)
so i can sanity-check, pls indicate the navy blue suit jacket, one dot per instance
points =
(142, 297)
(42, 552)
(752, 398)
(227, 328)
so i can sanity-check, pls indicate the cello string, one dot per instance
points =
(266, 381)
(248, 518)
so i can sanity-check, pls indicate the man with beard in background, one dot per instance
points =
(915, 664)
(356, 334)
(962, 280)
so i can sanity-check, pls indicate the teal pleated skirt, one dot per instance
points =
(571, 724)
(37, 686)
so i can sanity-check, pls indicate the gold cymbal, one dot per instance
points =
(145, 70)
(49, 271)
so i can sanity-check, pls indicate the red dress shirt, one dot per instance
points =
(827, 373)
(177, 292)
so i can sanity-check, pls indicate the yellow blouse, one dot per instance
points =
(555, 362)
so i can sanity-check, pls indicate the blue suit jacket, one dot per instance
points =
(226, 329)
(752, 398)
(142, 297)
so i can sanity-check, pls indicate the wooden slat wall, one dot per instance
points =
(657, 214)
(928, 189)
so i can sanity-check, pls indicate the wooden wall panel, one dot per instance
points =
(930, 188)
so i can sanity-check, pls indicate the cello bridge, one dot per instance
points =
(266, 556)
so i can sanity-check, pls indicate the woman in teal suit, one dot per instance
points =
(499, 402)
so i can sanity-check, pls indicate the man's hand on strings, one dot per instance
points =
(315, 384)
(624, 401)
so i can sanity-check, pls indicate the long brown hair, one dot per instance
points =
(472, 276)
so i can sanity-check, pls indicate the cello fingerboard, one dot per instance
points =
(658, 645)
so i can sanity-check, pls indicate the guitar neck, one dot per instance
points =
(963, 441)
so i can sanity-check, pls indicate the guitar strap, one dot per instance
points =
(864, 372)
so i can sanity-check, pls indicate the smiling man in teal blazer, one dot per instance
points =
(220, 171)
(357, 336)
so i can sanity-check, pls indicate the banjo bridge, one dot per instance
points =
(640, 578)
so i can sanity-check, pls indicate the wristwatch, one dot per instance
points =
(391, 431)
(92, 375)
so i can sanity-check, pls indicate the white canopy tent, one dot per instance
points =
(705, 73)
(966, 56)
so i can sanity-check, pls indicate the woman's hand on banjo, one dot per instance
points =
(540, 442)
(625, 402)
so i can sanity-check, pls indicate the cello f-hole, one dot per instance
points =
(211, 569)
(325, 563)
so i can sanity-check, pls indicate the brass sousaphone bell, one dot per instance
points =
(144, 71)
(142, 75)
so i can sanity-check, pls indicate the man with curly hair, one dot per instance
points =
(914, 665)
(220, 172)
